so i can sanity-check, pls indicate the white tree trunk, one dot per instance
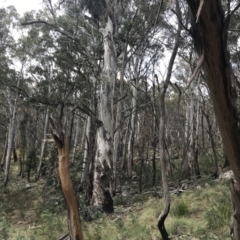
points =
(43, 144)
(76, 138)
(11, 129)
(83, 136)
(103, 172)
(132, 124)
(86, 163)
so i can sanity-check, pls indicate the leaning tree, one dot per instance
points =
(210, 22)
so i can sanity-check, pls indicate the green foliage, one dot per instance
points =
(199, 214)
(219, 211)
(138, 198)
(120, 200)
(180, 226)
(4, 228)
(52, 224)
(180, 208)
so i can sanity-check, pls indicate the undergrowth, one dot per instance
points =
(203, 213)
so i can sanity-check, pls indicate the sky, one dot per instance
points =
(22, 6)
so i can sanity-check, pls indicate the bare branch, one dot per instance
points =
(199, 9)
(158, 13)
(234, 10)
(197, 70)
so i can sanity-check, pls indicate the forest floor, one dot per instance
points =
(36, 212)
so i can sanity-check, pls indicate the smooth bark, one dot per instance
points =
(76, 138)
(43, 145)
(132, 122)
(86, 159)
(162, 122)
(11, 129)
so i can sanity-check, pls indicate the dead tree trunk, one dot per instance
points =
(62, 142)
(163, 159)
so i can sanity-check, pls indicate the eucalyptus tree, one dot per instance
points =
(56, 73)
(210, 36)
(10, 78)
(87, 55)
(143, 47)
(12, 99)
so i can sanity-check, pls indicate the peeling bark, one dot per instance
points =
(218, 74)
(62, 142)
(103, 165)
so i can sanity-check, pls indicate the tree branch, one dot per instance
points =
(196, 71)
(57, 29)
(50, 25)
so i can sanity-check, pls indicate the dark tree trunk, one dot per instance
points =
(5, 150)
(210, 134)
(218, 74)
(155, 136)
